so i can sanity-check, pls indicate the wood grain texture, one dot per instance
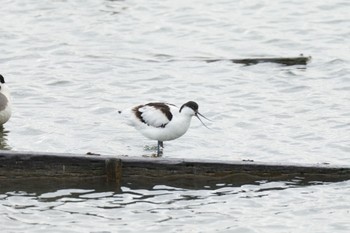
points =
(139, 172)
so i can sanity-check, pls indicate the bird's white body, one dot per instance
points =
(154, 123)
(5, 103)
(161, 121)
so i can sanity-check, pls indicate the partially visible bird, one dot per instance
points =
(162, 121)
(5, 102)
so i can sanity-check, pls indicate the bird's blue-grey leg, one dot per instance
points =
(160, 149)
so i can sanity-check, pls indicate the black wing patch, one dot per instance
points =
(154, 114)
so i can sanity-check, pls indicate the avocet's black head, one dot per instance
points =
(2, 80)
(194, 106)
(191, 104)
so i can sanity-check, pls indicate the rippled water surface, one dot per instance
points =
(268, 207)
(72, 64)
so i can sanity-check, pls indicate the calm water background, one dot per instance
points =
(72, 64)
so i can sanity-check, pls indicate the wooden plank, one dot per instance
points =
(199, 173)
(93, 170)
(289, 61)
(24, 165)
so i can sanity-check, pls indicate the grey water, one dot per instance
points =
(71, 65)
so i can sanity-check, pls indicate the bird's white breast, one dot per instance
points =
(5, 115)
(5, 104)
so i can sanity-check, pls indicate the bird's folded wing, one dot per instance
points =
(155, 116)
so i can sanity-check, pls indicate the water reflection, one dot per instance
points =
(50, 185)
(246, 208)
(114, 7)
(47, 185)
(3, 139)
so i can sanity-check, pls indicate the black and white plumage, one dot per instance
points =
(161, 121)
(5, 101)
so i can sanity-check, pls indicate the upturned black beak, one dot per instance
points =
(197, 114)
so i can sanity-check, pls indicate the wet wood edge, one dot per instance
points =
(148, 172)
(289, 61)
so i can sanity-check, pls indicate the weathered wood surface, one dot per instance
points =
(83, 170)
(25, 165)
(289, 61)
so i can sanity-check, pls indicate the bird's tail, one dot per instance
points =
(126, 116)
